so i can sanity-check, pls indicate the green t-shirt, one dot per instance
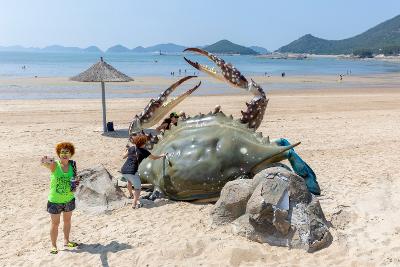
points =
(60, 185)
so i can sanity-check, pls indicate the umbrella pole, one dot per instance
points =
(103, 100)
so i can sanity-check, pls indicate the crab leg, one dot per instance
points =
(156, 109)
(254, 114)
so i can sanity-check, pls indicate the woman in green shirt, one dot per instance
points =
(61, 197)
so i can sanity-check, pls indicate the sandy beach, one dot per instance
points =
(349, 135)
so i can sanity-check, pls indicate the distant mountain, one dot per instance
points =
(118, 49)
(61, 49)
(139, 49)
(92, 49)
(222, 47)
(386, 34)
(50, 49)
(227, 47)
(166, 48)
(260, 50)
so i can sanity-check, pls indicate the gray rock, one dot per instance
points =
(311, 231)
(270, 193)
(270, 173)
(319, 231)
(97, 192)
(298, 189)
(280, 221)
(232, 202)
(280, 212)
(267, 233)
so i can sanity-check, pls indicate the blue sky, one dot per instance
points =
(270, 24)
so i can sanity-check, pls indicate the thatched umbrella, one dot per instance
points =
(102, 72)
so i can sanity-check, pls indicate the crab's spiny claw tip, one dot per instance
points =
(184, 79)
(193, 64)
(196, 50)
(228, 73)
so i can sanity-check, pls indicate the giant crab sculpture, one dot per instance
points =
(207, 151)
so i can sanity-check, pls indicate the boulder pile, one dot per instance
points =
(274, 207)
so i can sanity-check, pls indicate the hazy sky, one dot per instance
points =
(270, 24)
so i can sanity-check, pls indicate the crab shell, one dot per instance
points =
(204, 153)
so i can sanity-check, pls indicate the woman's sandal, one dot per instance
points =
(71, 245)
(53, 251)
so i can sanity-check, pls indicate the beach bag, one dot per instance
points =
(74, 182)
(73, 164)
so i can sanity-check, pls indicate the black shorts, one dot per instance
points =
(56, 208)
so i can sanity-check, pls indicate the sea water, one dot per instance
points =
(36, 64)
(69, 64)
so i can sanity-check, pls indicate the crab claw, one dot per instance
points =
(228, 72)
(158, 108)
(254, 114)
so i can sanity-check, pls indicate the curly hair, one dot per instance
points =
(65, 145)
(139, 140)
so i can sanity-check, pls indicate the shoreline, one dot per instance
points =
(151, 87)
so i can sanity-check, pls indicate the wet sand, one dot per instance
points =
(148, 87)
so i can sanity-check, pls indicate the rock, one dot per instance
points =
(298, 189)
(243, 226)
(311, 232)
(232, 202)
(280, 221)
(280, 211)
(271, 173)
(267, 209)
(319, 231)
(97, 192)
(270, 193)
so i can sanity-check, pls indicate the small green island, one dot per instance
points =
(227, 47)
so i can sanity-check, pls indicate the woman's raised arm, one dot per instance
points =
(48, 162)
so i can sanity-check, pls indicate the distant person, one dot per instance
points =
(283, 74)
(185, 72)
(179, 72)
(173, 74)
(265, 73)
(166, 124)
(341, 77)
